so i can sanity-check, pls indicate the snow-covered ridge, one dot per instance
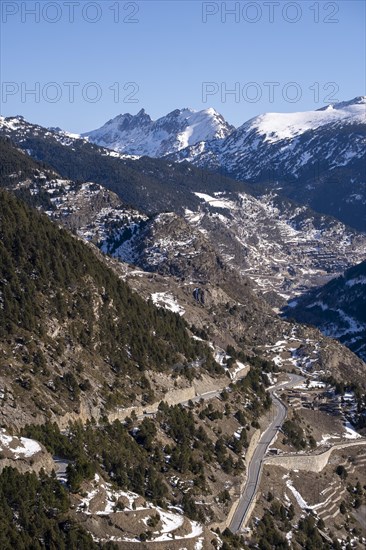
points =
(281, 126)
(315, 150)
(140, 135)
(187, 128)
(20, 128)
(276, 128)
(12, 123)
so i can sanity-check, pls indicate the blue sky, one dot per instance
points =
(122, 56)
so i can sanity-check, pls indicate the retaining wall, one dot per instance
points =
(311, 463)
(173, 397)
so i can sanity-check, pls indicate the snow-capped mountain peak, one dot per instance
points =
(280, 126)
(140, 135)
(359, 100)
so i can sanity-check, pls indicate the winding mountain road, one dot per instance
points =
(255, 466)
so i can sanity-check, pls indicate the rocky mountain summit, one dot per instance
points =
(284, 144)
(139, 135)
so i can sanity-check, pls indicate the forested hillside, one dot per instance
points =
(34, 513)
(69, 323)
(150, 412)
(17, 167)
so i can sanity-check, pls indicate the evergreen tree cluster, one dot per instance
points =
(111, 448)
(34, 515)
(294, 434)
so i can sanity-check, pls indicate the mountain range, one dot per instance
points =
(314, 157)
(284, 247)
(184, 258)
(139, 332)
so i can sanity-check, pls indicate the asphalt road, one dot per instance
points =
(61, 465)
(255, 466)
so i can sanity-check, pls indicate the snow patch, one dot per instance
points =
(350, 432)
(300, 501)
(20, 447)
(167, 301)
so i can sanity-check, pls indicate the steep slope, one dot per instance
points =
(139, 135)
(17, 165)
(315, 157)
(165, 244)
(338, 309)
(78, 343)
(168, 245)
(180, 269)
(207, 291)
(74, 337)
(40, 505)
